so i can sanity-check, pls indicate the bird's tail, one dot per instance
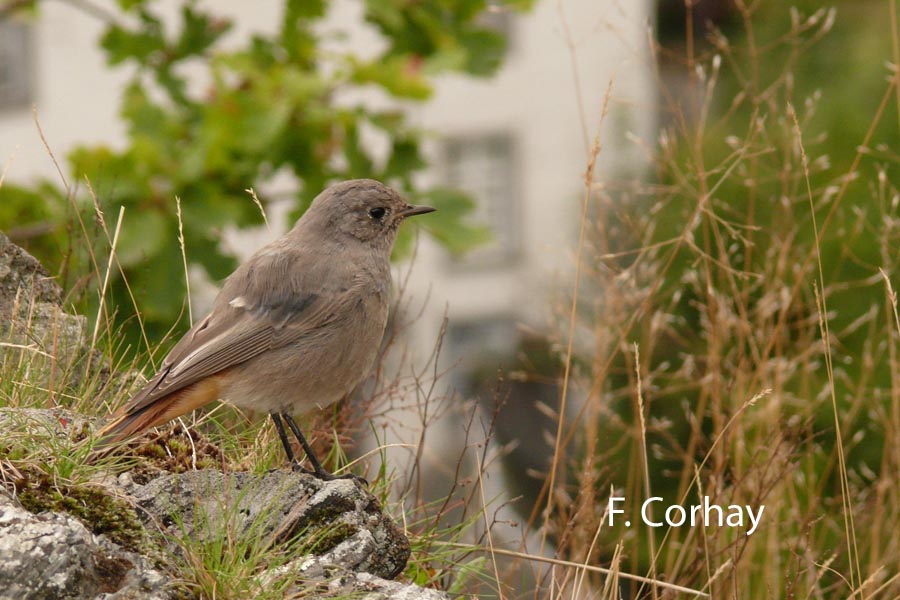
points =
(139, 415)
(124, 425)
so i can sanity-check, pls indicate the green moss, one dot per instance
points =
(172, 451)
(322, 540)
(152, 451)
(100, 512)
(322, 528)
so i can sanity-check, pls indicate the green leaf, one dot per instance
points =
(128, 5)
(199, 32)
(451, 229)
(206, 215)
(518, 5)
(401, 76)
(466, 573)
(305, 9)
(206, 251)
(144, 117)
(297, 36)
(386, 13)
(30, 217)
(112, 175)
(158, 286)
(358, 161)
(21, 206)
(389, 120)
(143, 235)
(404, 158)
(121, 44)
(485, 50)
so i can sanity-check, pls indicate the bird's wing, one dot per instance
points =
(234, 333)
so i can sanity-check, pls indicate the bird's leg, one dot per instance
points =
(318, 470)
(282, 434)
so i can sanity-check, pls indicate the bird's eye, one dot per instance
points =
(377, 213)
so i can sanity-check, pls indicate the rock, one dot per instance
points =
(352, 548)
(346, 522)
(358, 549)
(47, 423)
(22, 274)
(53, 555)
(338, 583)
(44, 341)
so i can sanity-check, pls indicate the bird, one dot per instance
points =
(294, 328)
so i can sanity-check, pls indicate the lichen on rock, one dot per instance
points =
(339, 520)
(38, 334)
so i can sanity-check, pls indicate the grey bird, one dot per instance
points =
(295, 327)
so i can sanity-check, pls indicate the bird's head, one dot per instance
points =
(360, 209)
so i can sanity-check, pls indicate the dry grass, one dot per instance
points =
(744, 347)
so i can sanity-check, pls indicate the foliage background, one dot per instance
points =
(274, 106)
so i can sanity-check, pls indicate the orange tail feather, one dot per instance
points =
(127, 422)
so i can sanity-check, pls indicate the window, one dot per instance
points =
(484, 168)
(477, 349)
(14, 64)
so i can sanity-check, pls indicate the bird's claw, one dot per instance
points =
(326, 476)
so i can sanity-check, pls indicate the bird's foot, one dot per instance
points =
(297, 467)
(326, 476)
(357, 478)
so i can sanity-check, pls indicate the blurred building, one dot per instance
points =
(518, 142)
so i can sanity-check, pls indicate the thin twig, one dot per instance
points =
(187, 277)
(821, 305)
(586, 200)
(102, 307)
(259, 205)
(643, 425)
(565, 563)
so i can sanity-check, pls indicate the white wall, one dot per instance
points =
(75, 95)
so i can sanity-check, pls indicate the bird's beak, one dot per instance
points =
(412, 211)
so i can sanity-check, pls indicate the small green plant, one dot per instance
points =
(224, 557)
(45, 463)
